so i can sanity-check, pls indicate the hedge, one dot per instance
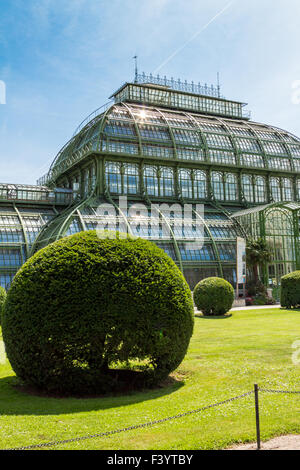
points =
(290, 290)
(83, 306)
(2, 300)
(214, 296)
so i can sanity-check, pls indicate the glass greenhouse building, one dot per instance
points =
(165, 145)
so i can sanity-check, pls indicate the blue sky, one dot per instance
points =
(61, 59)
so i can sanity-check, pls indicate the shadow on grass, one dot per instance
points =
(16, 400)
(296, 310)
(213, 317)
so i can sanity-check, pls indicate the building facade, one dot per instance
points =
(163, 145)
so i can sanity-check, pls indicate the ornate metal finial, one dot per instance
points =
(178, 84)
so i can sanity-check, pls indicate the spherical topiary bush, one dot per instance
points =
(290, 290)
(214, 296)
(83, 308)
(2, 300)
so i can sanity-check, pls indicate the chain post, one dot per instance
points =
(256, 390)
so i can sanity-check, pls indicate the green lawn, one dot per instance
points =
(226, 357)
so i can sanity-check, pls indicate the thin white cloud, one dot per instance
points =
(183, 46)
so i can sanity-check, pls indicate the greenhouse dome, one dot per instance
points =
(162, 146)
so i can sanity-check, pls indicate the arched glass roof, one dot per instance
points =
(20, 225)
(208, 238)
(133, 129)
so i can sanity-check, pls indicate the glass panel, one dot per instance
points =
(6, 279)
(297, 164)
(172, 98)
(33, 226)
(74, 227)
(114, 127)
(211, 127)
(86, 182)
(113, 177)
(274, 148)
(218, 141)
(131, 178)
(217, 185)
(266, 135)
(247, 187)
(200, 184)
(222, 232)
(241, 131)
(227, 252)
(10, 257)
(186, 136)
(223, 157)
(8, 235)
(115, 146)
(279, 163)
(287, 189)
(166, 181)
(185, 183)
(206, 253)
(249, 145)
(158, 151)
(154, 133)
(252, 160)
(151, 180)
(231, 188)
(169, 249)
(275, 189)
(295, 150)
(93, 176)
(188, 153)
(260, 189)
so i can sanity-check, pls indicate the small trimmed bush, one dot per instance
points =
(290, 290)
(214, 296)
(83, 310)
(263, 299)
(2, 300)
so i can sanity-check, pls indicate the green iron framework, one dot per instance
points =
(278, 224)
(169, 143)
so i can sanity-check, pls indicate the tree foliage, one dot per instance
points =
(214, 296)
(290, 290)
(83, 306)
(258, 254)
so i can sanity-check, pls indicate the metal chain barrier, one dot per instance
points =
(257, 414)
(130, 428)
(278, 391)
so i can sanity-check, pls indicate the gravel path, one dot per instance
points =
(290, 442)
(258, 307)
